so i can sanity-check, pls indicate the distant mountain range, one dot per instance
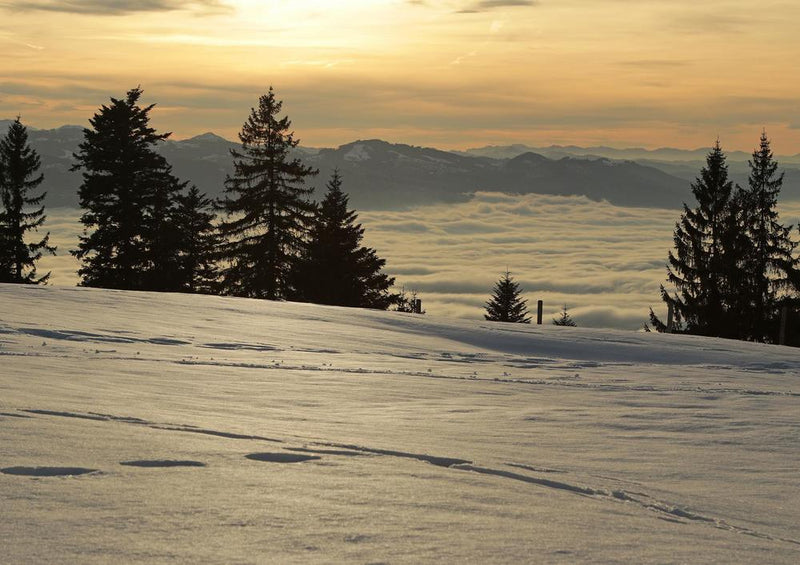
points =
(664, 154)
(380, 175)
(681, 163)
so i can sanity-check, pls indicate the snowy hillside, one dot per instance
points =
(149, 428)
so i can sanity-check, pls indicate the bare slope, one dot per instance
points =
(144, 428)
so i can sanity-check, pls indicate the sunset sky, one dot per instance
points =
(449, 73)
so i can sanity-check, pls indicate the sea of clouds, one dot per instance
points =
(604, 262)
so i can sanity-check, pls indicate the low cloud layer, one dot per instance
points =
(604, 262)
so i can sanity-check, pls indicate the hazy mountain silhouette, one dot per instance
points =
(663, 154)
(378, 174)
(681, 163)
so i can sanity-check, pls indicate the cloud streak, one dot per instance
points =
(114, 7)
(473, 7)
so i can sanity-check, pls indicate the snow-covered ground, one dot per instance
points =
(199, 429)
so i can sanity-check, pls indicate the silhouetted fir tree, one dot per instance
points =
(564, 319)
(697, 267)
(736, 278)
(19, 165)
(267, 207)
(506, 305)
(6, 247)
(164, 239)
(408, 304)
(661, 327)
(335, 268)
(769, 262)
(195, 221)
(128, 195)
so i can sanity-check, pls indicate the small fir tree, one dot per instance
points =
(266, 207)
(506, 304)
(19, 165)
(564, 319)
(129, 199)
(408, 304)
(335, 268)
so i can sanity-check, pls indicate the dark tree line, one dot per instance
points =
(733, 267)
(144, 229)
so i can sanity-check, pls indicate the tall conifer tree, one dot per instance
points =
(267, 207)
(697, 267)
(769, 262)
(128, 195)
(506, 304)
(336, 269)
(19, 165)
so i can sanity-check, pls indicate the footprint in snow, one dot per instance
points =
(46, 471)
(281, 457)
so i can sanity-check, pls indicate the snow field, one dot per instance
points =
(421, 439)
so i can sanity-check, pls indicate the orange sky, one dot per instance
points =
(449, 73)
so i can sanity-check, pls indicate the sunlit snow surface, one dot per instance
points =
(154, 428)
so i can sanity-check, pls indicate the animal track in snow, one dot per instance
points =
(346, 453)
(432, 459)
(664, 510)
(113, 337)
(162, 463)
(239, 347)
(563, 381)
(138, 421)
(670, 512)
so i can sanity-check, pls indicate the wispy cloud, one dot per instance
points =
(473, 6)
(708, 21)
(489, 4)
(114, 7)
(654, 63)
(8, 38)
(486, 5)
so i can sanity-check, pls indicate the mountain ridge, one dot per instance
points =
(383, 175)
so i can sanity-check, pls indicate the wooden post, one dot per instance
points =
(670, 311)
(539, 308)
(784, 317)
